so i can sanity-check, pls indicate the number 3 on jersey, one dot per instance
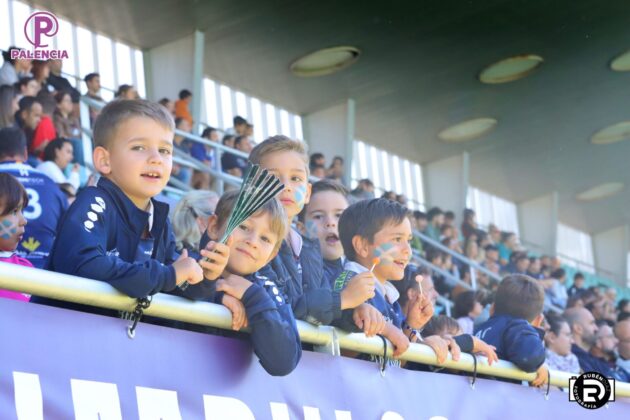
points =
(34, 209)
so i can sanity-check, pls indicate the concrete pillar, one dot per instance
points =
(171, 69)
(331, 131)
(610, 249)
(446, 183)
(538, 223)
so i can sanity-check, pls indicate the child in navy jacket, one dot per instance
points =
(514, 327)
(117, 232)
(249, 281)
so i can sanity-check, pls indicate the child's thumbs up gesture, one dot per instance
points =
(187, 269)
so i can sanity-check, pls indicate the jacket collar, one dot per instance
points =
(138, 219)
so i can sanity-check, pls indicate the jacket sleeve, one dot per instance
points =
(80, 249)
(524, 347)
(274, 333)
(318, 306)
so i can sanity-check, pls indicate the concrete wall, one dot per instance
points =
(446, 183)
(538, 222)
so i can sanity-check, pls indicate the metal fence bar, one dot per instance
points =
(100, 294)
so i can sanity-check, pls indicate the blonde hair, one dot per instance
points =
(197, 203)
(279, 143)
(279, 224)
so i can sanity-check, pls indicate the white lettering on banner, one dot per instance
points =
(392, 415)
(157, 404)
(279, 411)
(95, 400)
(311, 413)
(343, 415)
(225, 408)
(28, 396)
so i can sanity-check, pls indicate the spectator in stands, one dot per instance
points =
(495, 234)
(27, 86)
(558, 341)
(446, 327)
(13, 201)
(47, 203)
(419, 223)
(233, 164)
(558, 292)
(364, 190)
(228, 140)
(321, 221)
(317, 159)
(182, 145)
(622, 332)
(190, 220)
(336, 170)
(514, 327)
(471, 248)
(182, 106)
(28, 117)
(58, 154)
(402, 199)
(584, 330)
(169, 105)
(533, 270)
(521, 264)
(507, 245)
(8, 106)
(239, 128)
(205, 154)
(45, 131)
(13, 69)
(623, 306)
(66, 124)
(41, 71)
(93, 83)
(248, 279)
(449, 220)
(436, 220)
(117, 232)
(467, 309)
(469, 224)
(249, 130)
(126, 92)
(428, 288)
(318, 171)
(605, 349)
(389, 195)
(385, 238)
(60, 83)
(491, 262)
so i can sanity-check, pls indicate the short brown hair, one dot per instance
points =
(120, 110)
(279, 143)
(12, 193)
(279, 224)
(322, 186)
(519, 296)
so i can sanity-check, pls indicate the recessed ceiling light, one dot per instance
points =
(601, 191)
(621, 62)
(510, 69)
(467, 130)
(326, 61)
(612, 134)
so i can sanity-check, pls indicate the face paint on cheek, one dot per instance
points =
(384, 253)
(311, 229)
(300, 195)
(7, 229)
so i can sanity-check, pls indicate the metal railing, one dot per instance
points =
(100, 294)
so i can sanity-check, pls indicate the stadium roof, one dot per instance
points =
(418, 74)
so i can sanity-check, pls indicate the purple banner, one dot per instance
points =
(58, 364)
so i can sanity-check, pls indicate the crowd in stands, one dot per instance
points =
(319, 253)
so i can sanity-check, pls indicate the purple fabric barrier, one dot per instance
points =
(58, 364)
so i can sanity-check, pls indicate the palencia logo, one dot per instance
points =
(591, 390)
